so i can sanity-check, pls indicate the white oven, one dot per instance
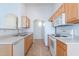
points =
(53, 46)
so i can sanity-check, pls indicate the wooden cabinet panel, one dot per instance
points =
(59, 43)
(27, 43)
(61, 49)
(71, 11)
(6, 50)
(25, 21)
(60, 10)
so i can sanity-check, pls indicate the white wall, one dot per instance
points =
(5, 9)
(8, 8)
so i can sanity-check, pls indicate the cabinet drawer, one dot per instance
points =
(62, 45)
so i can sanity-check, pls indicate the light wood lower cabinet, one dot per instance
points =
(19, 48)
(15, 49)
(27, 43)
(61, 48)
(6, 50)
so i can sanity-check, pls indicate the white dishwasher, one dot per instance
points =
(18, 48)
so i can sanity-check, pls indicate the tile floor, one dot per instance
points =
(38, 49)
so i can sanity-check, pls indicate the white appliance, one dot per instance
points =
(53, 46)
(48, 29)
(18, 48)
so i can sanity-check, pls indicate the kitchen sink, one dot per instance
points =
(57, 35)
(20, 34)
(61, 36)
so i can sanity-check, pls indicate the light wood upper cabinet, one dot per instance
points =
(25, 21)
(57, 13)
(60, 10)
(71, 11)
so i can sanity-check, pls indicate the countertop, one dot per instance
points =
(67, 40)
(9, 39)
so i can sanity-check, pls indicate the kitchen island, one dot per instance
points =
(66, 46)
(11, 45)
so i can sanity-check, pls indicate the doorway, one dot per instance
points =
(38, 29)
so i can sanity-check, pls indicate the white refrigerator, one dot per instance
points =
(48, 30)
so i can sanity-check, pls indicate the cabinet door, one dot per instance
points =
(71, 11)
(57, 14)
(66, 11)
(28, 42)
(25, 21)
(60, 10)
(61, 49)
(26, 45)
(6, 50)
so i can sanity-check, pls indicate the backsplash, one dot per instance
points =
(13, 31)
(76, 29)
(68, 30)
(7, 32)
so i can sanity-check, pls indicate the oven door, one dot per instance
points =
(53, 47)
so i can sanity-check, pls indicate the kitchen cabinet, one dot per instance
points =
(27, 43)
(61, 48)
(59, 11)
(15, 49)
(6, 50)
(71, 11)
(58, 18)
(25, 22)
